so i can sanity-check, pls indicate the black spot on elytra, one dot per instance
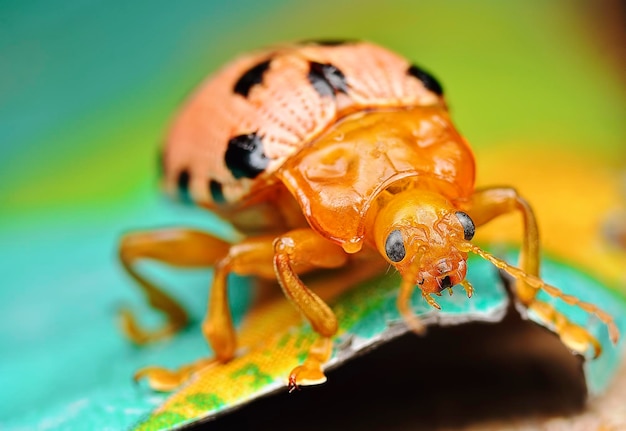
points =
(251, 77)
(429, 81)
(217, 194)
(183, 185)
(245, 157)
(327, 79)
(329, 42)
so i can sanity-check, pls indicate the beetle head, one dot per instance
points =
(419, 233)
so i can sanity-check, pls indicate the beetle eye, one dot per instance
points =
(394, 246)
(468, 225)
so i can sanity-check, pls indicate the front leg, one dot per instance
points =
(296, 249)
(487, 204)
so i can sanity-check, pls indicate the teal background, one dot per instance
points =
(87, 88)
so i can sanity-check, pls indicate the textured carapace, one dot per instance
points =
(343, 173)
(247, 119)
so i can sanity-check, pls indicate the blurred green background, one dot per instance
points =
(87, 88)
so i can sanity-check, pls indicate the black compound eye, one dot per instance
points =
(468, 225)
(394, 246)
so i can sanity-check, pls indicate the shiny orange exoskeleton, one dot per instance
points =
(318, 153)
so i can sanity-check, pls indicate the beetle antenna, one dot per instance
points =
(539, 284)
(404, 298)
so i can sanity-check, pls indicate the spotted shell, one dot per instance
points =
(242, 123)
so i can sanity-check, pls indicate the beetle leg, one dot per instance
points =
(296, 252)
(162, 379)
(252, 256)
(404, 307)
(487, 204)
(176, 247)
(298, 248)
(310, 372)
(574, 336)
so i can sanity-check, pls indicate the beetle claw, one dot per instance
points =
(293, 385)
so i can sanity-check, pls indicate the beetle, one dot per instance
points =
(319, 152)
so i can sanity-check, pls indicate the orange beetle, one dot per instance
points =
(318, 152)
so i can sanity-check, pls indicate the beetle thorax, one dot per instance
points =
(341, 174)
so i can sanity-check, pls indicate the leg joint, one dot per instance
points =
(284, 245)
